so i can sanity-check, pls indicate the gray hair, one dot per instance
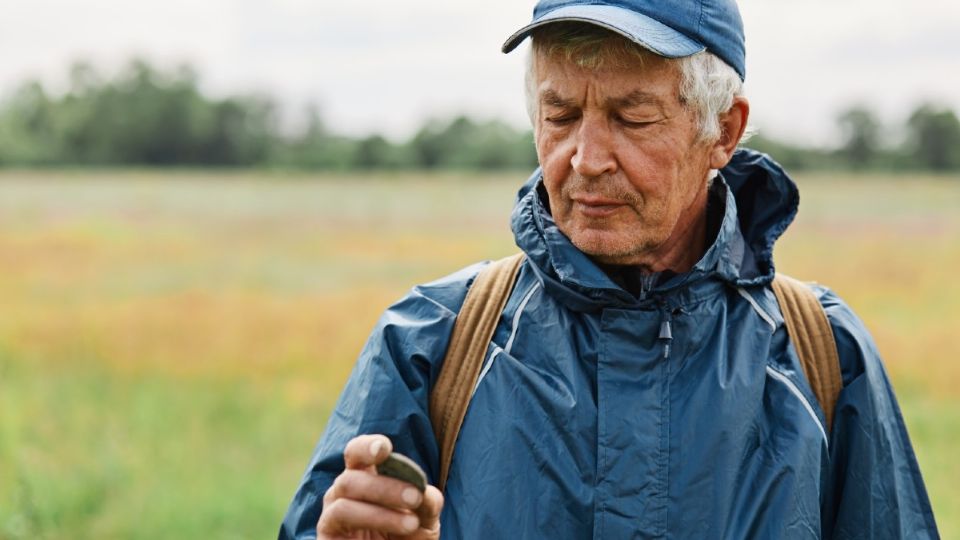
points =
(708, 85)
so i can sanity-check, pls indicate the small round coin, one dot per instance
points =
(405, 469)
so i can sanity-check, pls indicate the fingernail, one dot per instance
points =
(411, 496)
(375, 447)
(411, 523)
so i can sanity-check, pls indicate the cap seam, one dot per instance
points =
(700, 19)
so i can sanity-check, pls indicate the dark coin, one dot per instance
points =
(405, 469)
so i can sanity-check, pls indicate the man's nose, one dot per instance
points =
(594, 156)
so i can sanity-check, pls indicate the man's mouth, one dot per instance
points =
(596, 207)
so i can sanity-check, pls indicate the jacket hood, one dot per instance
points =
(761, 202)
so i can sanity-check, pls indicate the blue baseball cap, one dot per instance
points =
(669, 28)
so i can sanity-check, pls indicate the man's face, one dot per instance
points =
(622, 166)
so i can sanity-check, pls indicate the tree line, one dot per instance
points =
(928, 140)
(146, 116)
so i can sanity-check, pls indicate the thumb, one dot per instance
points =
(367, 451)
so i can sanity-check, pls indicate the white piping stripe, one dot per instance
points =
(516, 316)
(513, 334)
(796, 391)
(763, 314)
(486, 368)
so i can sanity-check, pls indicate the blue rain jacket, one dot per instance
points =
(682, 414)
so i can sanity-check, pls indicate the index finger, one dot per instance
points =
(366, 450)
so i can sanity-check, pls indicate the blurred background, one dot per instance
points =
(205, 206)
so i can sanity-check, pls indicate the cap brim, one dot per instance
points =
(642, 30)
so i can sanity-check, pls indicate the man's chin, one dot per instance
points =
(606, 248)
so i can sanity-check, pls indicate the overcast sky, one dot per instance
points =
(385, 65)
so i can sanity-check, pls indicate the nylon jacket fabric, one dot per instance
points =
(683, 414)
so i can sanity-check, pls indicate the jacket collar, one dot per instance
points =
(761, 201)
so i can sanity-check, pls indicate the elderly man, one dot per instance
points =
(639, 383)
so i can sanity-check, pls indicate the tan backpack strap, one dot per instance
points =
(812, 337)
(471, 335)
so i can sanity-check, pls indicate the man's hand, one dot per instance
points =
(361, 504)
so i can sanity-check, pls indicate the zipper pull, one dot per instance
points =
(666, 333)
(666, 329)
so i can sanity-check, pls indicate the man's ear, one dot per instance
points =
(732, 125)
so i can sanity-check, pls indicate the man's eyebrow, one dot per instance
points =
(550, 97)
(634, 99)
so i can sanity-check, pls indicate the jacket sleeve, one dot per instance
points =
(874, 487)
(386, 393)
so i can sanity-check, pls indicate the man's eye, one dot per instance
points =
(561, 120)
(636, 124)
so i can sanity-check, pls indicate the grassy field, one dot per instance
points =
(170, 345)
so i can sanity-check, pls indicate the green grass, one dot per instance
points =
(100, 455)
(170, 347)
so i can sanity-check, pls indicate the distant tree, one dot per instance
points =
(28, 124)
(496, 145)
(314, 126)
(464, 143)
(241, 132)
(375, 152)
(861, 136)
(934, 137)
(433, 143)
(792, 156)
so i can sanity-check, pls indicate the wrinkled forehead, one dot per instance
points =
(615, 70)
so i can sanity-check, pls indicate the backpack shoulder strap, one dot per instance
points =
(812, 337)
(471, 335)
